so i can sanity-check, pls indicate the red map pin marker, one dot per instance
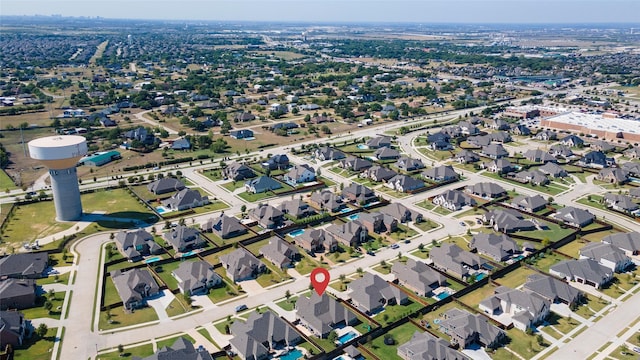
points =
(320, 279)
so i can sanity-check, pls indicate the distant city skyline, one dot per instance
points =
(326, 11)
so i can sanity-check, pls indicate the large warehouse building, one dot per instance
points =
(605, 125)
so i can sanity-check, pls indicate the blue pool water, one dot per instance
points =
(187, 254)
(442, 295)
(634, 180)
(519, 257)
(346, 337)
(161, 209)
(345, 210)
(292, 355)
(362, 146)
(480, 276)
(296, 233)
(152, 260)
(437, 321)
(353, 217)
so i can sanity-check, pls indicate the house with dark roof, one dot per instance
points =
(451, 258)
(466, 329)
(327, 153)
(352, 233)
(529, 203)
(260, 335)
(134, 286)
(613, 175)
(498, 166)
(439, 137)
(13, 328)
(623, 203)
(635, 193)
(522, 309)
(585, 271)
(497, 124)
(539, 156)
(385, 153)
(552, 289)
(494, 151)
(572, 141)
(479, 141)
(498, 247)
(327, 201)
(356, 164)
(262, 184)
(316, 240)
(627, 242)
(196, 277)
(320, 314)
(546, 135)
(280, 252)
(296, 208)
(596, 159)
(242, 134)
(409, 164)
(507, 221)
(277, 162)
(423, 345)
(533, 177)
(185, 199)
(140, 134)
(453, 200)
(224, 226)
(24, 265)
(300, 174)
(182, 349)
(244, 116)
(17, 293)
(378, 142)
(486, 190)
(241, 265)
(377, 222)
(631, 168)
(165, 185)
(183, 238)
(602, 145)
(378, 173)
(441, 173)
(181, 144)
(561, 151)
(418, 277)
(466, 157)
(358, 193)
(606, 255)
(267, 216)
(401, 213)
(135, 244)
(404, 183)
(370, 293)
(574, 216)
(519, 129)
(553, 170)
(237, 171)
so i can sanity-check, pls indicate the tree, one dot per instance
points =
(243, 208)
(226, 329)
(333, 336)
(120, 349)
(48, 306)
(41, 330)
(539, 339)
(287, 295)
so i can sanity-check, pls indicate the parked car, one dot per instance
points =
(395, 246)
(241, 308)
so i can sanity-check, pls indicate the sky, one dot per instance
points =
(415, 11)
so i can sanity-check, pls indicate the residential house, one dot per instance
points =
(418, 277)
(370, 293)
(401, 213)
(585, 271)
(498, 247)
(606, 255)
(596, 159)
(533, 177)
(242, 134)
(385, 153)
(352, 233)
(13, 328)
(404, 183)
(181, 144)
(17, 293)
(141, 135)
(378, 142)
(423, 345)
(321, 119)
(529, 203)
(262, 184)
(135, 244)
(359, 194)
(267, 216)
(244, 116)
(466, 157)
(486, 190)
(467, 128)
(296, 208)
(441, 173)
(479, 141)
(440, 145)
(224, 226)
(498, 166)
(181, 349)
(553, 170)
(355, 164)
(451, 258)
(185, 199)
(494, 151)
(183, 238)
(287, 126)
(632, 153)
(623, 203)
(107, 122)
(572, 141)
(627, 242)
(316, 240)
(635, 193)
(165, 185)
(24, 265)
(439, 137)
(241, 265)
(280, 252)
(602, 145)
(574, 216)
(552, 289)
(453, 200)
(497, 124)
(134, 287)
(237, 171)
(546, 135)
(300, 174)
(524, 309)
(260, 335)
(539, 156)
(327, 153)
(499, 137)
(320, 314)
(377, 222)
(519, 129)
(613, 175)
(631, 168)
(561, 151)
(378, 173)
(466, 329)
(196, 277)
(409, 164)
(507, 221)
(325, 200)
(277, 162)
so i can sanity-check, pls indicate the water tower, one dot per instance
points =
(61, 154)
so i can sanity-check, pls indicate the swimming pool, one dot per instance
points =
(292, 355)
(480, 276)
(362, 146)
(161, 209)
(345, 210)
(187, 254)
(353, 217)
(519, 257)
(152, 260)
(347, 337)
(296, 233)
(443, 295)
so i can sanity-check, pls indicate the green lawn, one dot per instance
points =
(516, 277)
(274, 276)
(51, 279)
(523, 344)
(6, 183)
(475, 297)
(31, 222)
(213, 174)
(121, 319)
(562, 324)
(40, 312)
(623, 354)
(401, 335)
(547, 189)
(288, 305)
(250, 197)
(233, 185)
(426, 225)
(223, 292)
(422, 254)
(426, 205)
(126, 206)
(553, 232)
(140, 351)
(177, 307)
(255, 247)
(170, 341)
(545, 261)
(37, 348)
(403, 232)
(164, 272)
(307, 264)
(394, 312)
(573, 247)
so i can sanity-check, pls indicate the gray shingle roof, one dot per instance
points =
(279, 252)
(465, 325)
(322, 313)
(424, 346)
(196, 275)
(418, 275)
(134, 285)
(371, 292)
(24, 265)
(183, 237)
(572, 215)
(497, 246)
(452, 257)
(241, 264)
(625, 241)
(165, 185)
(224, 226)
(249, 337)
(584, 269)
(552, 288)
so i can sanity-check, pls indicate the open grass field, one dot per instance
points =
(37, 348)
(31, 222)
(516, 277)
(401, 335)
(139, 351)
(6, 183)
(121, 319)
